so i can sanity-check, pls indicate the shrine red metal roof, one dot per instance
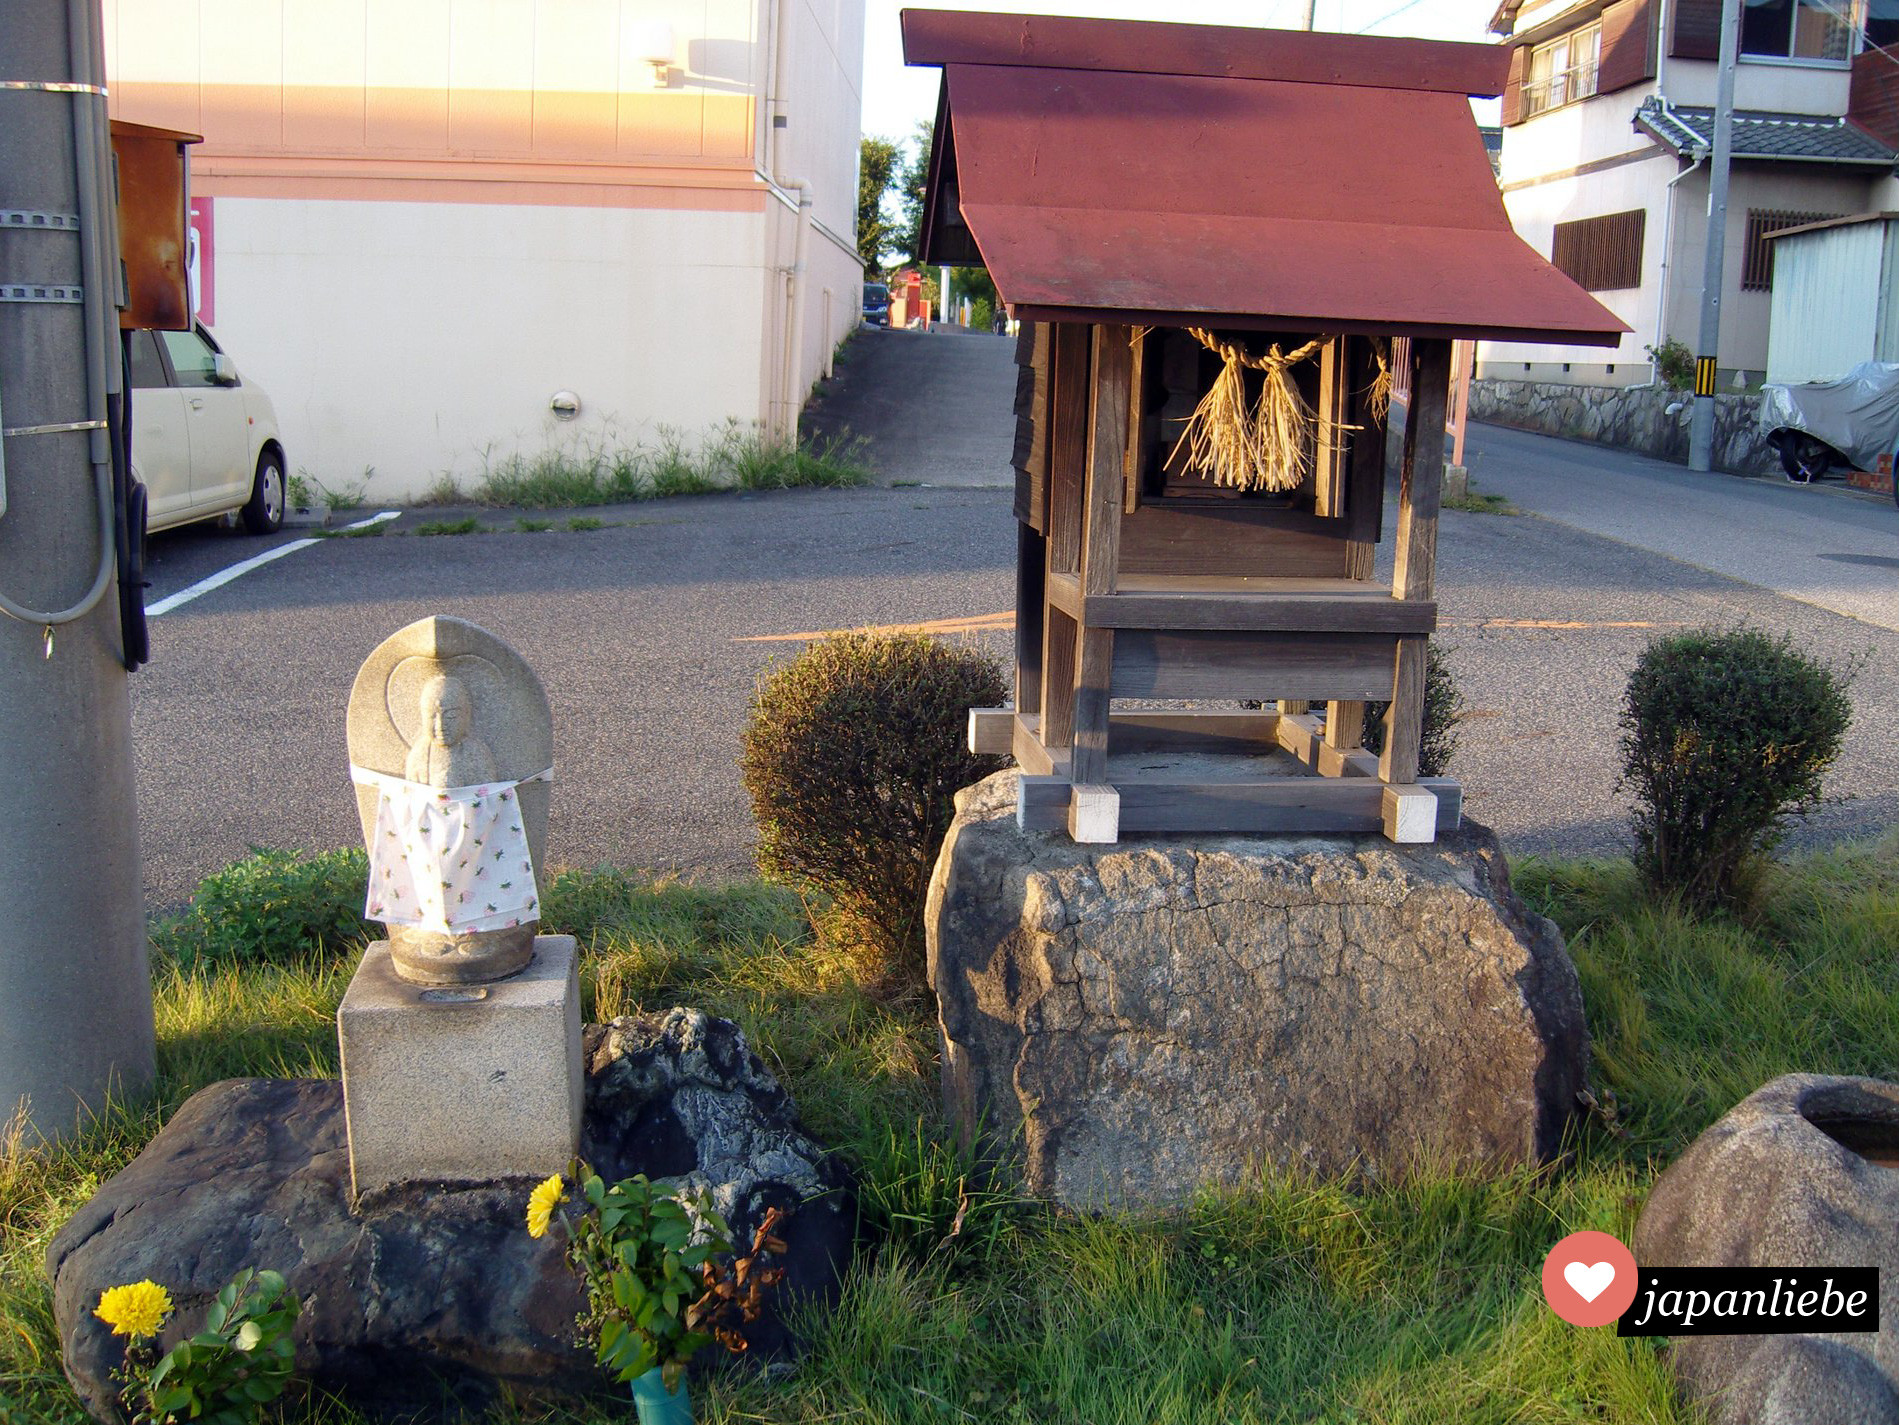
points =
(1193, 175)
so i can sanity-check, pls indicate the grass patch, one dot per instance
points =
(434, 527)
(1688, 1015)
(600, 471)
(1476, 502)
(528, 526)
(580, 524)
(1293, 1300)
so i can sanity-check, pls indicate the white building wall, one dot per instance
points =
(1767, 86)
(1575, 136)
(431, 215)
(420, 340)
(818, 142)
(1535, 212)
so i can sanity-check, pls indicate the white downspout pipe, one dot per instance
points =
(795, 293)
(794, 324)
(1662, 283)
(1664, 16)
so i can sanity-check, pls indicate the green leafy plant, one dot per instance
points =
(274, 907)
(852, 757)
(649, 1261)
(225, 1373)
(1725, 736)
(1675, 364)
(307, 491)
(1443, 706)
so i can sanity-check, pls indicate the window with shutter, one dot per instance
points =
(1628, 49)
(1513, 107)
(1601, 254)
(1758, 254)
(1563, 71)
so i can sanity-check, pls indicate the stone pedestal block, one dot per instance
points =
(1131, 1022)
(462, 1083)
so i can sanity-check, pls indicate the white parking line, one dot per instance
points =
(245, 566)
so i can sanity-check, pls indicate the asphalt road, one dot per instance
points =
(1822, 545)
(650, 635)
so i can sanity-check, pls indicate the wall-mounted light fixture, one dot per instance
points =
(653, 44)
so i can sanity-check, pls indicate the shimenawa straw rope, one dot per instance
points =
(1262, 449)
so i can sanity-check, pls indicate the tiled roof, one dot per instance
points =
(1801, 137)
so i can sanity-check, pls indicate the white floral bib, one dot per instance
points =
(450, 860)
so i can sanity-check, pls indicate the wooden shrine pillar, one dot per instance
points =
(1421, 481)
(1094, 806)
(1068, 461)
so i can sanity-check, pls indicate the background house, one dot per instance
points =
(419, 220)
(1607, 125)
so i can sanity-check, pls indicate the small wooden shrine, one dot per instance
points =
(1212, 237)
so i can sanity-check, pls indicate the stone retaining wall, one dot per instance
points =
(1632, 417)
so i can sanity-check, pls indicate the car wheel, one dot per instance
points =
(264, 513)
(1805, 459)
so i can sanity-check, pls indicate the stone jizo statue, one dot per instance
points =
(446, 756)
(451, 746)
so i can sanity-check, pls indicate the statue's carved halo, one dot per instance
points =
(403, 696)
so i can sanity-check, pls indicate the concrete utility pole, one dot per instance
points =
(75, 988)
(1702, 411)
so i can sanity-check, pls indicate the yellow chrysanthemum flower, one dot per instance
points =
(541, 1204)
(137, 1310)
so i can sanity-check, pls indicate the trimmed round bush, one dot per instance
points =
(1725, 736)
(1443, 705)
(852, 758)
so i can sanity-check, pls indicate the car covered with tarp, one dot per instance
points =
(1816, 426)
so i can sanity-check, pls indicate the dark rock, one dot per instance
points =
(1131, 1022)
(1792, 1177)
(434, 1293)
(680, 1095)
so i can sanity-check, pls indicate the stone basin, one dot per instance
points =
(1800, 1174)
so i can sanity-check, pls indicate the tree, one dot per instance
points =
(877, 170)
(974, 283)
(910, 193)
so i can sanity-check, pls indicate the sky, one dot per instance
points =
(896, 96)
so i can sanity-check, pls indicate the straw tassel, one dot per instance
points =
(1379, 394)
(1262, 449)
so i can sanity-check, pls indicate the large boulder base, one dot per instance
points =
(433, 1294)
(1130, 1022)
(1798, 1175)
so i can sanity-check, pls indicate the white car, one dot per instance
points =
(204, 440)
